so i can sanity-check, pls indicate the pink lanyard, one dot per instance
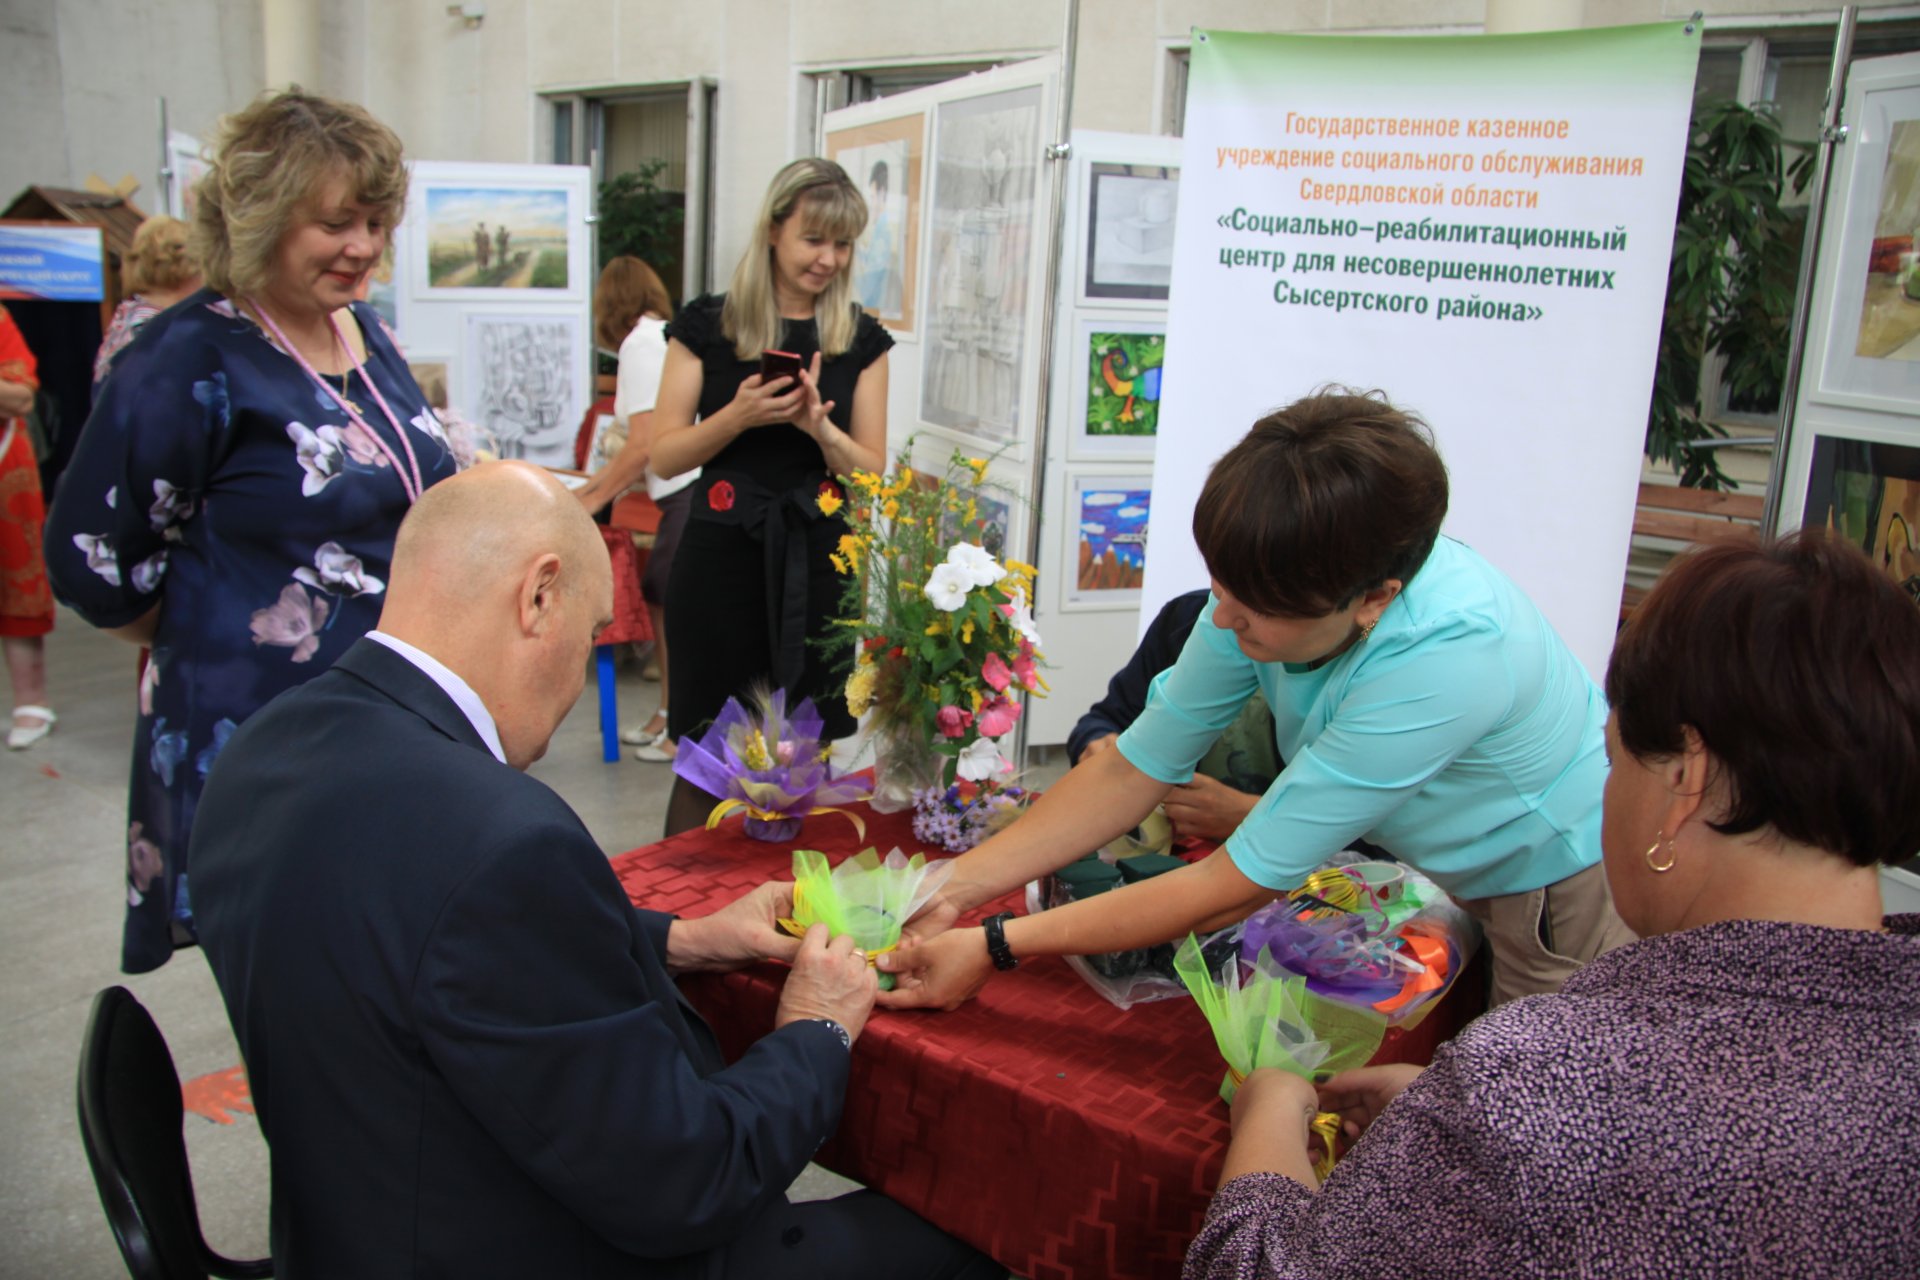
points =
(413, 485)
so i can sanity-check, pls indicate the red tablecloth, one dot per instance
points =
(1039, 1123)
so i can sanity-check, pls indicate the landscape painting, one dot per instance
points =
(1110, 540)
(497, 238)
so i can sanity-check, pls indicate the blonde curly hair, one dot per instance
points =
(271, 158)
(158, 260)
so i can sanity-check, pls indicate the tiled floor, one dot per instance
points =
(62, 843)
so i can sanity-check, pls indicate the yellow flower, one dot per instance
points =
(966, 632)
(839, 565)
(978, 701)
(890, 509)
(979, 468)
(756, 756)
(849, 551)
(867, 480)
(938, 627)
(829, 502)
(860, 686)
(1023, 570)
(972, 514)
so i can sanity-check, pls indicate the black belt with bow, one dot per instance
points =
(778, 522)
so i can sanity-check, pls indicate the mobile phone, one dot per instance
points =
(780, 364)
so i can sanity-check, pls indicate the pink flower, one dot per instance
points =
(995, 672)
(293, 622)
(953, 721)
(143, 859)
(1024, 672)
(360, 446)
(997, 717)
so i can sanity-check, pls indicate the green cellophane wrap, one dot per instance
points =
(868, 897)
(1268, 1018)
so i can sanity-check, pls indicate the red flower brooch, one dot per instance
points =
(720, 495)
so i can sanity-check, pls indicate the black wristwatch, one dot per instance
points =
(996, 927)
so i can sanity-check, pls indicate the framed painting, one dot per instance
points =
(500, 239)
(1129, 232)
(1868, 492)
(1106, 551)
(1871, 252)
(884, 159)
(1117, 362)
(520, 384)
(980, 328)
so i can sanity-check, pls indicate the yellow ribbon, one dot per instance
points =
(727, 807)
(794, 929)
(1331, 886)
(1325, 1125)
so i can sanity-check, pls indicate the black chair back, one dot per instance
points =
(130, 1123)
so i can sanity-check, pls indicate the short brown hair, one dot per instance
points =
(158, 258)
(1798, 664)
(1321, 501)
(271, 158)
(628, 289)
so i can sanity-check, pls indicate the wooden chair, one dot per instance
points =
(1670, 514)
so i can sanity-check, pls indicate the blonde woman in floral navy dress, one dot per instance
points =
(234, 497)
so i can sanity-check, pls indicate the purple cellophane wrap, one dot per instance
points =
(773, 762)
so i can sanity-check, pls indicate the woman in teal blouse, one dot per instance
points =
(1419, 699)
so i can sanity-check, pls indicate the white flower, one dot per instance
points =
(320, 455)
(980, 760)
(335, 571)
(102, 558)
(1021, 616)
(982, 569)
(170, 506)
(147, 574)
(947, 589)
(429, 425)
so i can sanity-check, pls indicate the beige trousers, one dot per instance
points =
(1540, 937)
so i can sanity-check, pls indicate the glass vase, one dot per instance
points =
(904, 762)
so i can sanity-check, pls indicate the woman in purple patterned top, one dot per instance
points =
(1737, 1093)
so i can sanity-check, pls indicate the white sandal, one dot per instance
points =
(643, 735)
(19, 739)
(651, 750)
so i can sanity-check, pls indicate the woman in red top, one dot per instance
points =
(26, 601)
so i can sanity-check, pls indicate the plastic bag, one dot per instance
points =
(1392, 954)
(1125, 978)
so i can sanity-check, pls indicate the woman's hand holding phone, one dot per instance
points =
(775, 394)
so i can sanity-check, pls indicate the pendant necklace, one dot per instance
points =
(413, 484)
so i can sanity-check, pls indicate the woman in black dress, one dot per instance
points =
(751, 588)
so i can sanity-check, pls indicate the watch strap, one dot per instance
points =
(997, 948)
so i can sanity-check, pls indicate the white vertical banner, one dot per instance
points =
(1478, 226)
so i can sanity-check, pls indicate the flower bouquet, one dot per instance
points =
(946, 646)
(1262, 1015)
(866, 896)
(771, 765)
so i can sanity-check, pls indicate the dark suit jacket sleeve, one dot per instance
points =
(1127, 691)
(543, 1002)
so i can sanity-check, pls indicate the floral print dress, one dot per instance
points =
(217, 480)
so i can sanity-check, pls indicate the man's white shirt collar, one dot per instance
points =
(453, 686)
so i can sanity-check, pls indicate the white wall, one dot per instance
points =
(80, 80)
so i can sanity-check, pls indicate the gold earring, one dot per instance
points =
(1366, 629)
(1660, 868)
